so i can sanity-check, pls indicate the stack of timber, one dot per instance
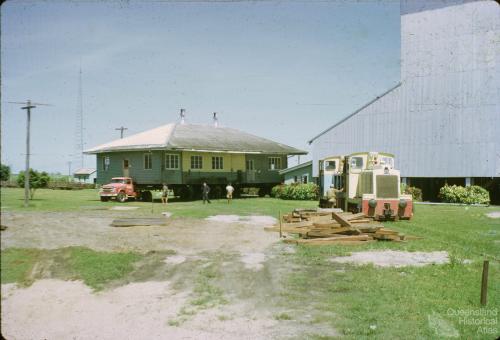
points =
(327, 226)
(132, 222)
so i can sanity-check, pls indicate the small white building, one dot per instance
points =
(85, 175)
(301, 173)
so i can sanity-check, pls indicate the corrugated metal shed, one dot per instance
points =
(444, 118)
(84, 172)
(197, 138)
(296, 167)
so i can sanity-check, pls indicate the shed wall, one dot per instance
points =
(444, 119)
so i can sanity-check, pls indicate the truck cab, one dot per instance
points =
(120, 188)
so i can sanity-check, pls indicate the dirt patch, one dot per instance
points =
(253, 261)
(225, 281)
(175, 259)
(493, 214)
(56, 309)
(391, 258)
(92, 230)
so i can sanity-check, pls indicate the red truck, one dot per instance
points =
(120, 188)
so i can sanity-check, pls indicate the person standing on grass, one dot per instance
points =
(229, 195)
(205, 190)
(164, 194)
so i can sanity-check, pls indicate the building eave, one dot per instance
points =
(354, 113)
(296, 167)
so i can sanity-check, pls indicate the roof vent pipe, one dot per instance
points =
(216, 120)
(183, 116)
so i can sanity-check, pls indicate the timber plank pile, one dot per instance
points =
(132, 222)
(321, 227)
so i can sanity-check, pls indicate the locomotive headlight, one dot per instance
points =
(372, 203)
(403, 203)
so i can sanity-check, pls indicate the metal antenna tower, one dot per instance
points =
(28, 105)
(79, 123)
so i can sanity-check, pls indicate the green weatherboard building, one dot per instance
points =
(301, 173)
(186, 155)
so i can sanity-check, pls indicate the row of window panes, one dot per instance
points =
(217, 163)
(274, 163)
(172, 162)
(303, 179)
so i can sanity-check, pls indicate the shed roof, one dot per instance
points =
(354, 113)
(194, 137)
(296, 167)
(84, 171)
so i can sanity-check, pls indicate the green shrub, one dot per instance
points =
(416, 193)
(295, 191)
(4, 172)
(37, 180)
(466, 195)
(277, 190)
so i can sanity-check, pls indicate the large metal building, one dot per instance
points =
(442, 121)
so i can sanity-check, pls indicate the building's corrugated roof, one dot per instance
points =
(154, 138)
(354, 113)
(197, 138)
(296, 167)
(84, 171)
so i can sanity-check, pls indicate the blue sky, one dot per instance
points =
(280, 70)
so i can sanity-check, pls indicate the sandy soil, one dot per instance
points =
(56, 230)
(252, 265)
(53, 309)
(391, 258)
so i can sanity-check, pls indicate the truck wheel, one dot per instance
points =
(146, 196)
(218, 192)
(121, 197)
(104, 199)
(263, 191)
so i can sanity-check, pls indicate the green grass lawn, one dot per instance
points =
(95, 268)
(12, 199)
(409, 302)
(366, 301)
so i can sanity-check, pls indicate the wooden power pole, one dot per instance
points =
(28, 106)
(121, 129)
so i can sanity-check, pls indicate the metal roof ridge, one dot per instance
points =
(354, 113)
(295, 167)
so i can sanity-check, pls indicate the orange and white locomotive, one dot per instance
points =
(366, 182)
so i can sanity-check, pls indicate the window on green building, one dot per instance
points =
(105, 163)
(148, 161)
(249, 164)
(274, 163)
(196, 162)
(171, 161)
(217, 162)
